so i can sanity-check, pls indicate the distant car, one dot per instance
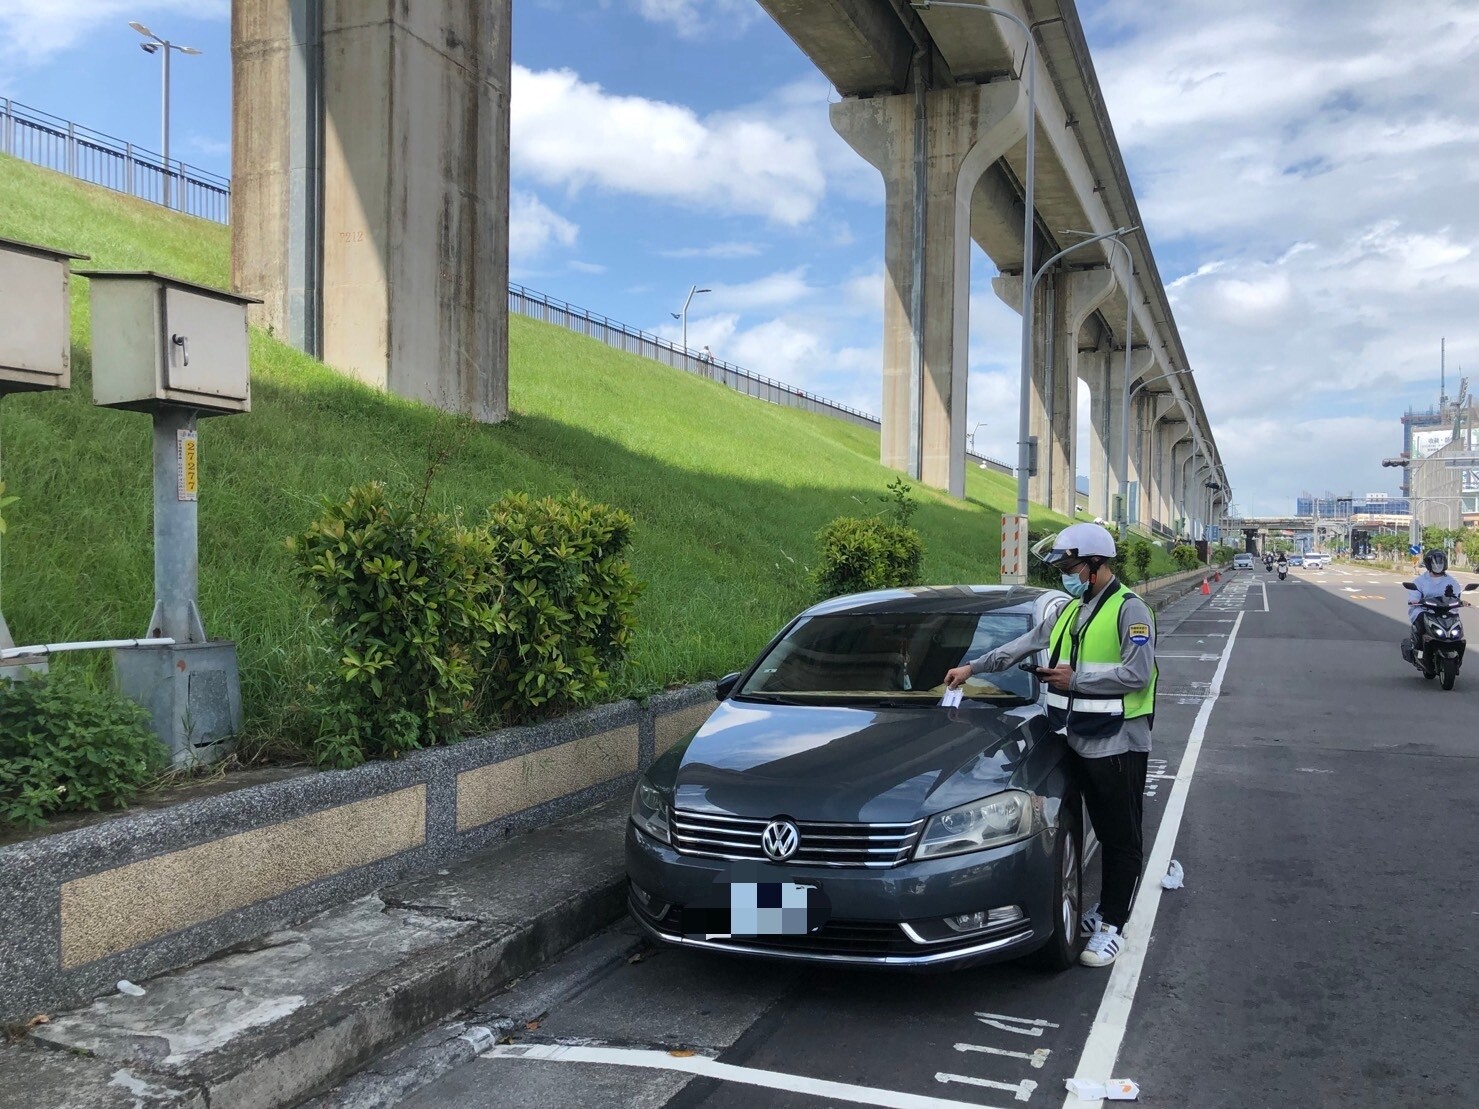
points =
(1242, 562)
(1316, 561)
(1296, 560)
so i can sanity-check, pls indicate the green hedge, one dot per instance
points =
(862, 554)
(433, 627)
(66, 746)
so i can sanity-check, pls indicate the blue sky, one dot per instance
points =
(1306, 174)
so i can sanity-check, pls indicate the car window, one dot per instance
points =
(873, 656)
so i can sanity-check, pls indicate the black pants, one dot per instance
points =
(1114, 792)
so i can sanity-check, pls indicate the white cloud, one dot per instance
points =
(532, 227)
(716, 250)
(1306, 173)
(34, 31)
(695, 19)
(586, 267)
(573, 133)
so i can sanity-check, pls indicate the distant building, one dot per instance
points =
(1333, 506)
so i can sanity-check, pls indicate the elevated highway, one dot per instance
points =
(935, 99)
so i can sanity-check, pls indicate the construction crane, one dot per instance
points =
(1458, 411)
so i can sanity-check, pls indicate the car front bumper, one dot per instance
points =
(877, 917)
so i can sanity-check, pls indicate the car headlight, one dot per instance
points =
(650, 810)
(990, 822)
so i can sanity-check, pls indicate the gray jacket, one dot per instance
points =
(1137, 662)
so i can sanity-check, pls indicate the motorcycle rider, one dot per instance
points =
(1437, 582)
(1101, 682)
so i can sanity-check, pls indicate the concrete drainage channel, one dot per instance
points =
(278, 1020)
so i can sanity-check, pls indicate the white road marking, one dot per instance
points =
(1101, 1050)
(1020, 1025)
(1264, 586)
(704, 1067)
(1021, 1091)
(1199, 658)
(1037, 1058)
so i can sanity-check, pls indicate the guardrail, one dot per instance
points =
(58, 144)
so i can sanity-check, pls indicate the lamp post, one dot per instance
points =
(1029, 210)
(970, 440)
(155, 45)
(683, 314)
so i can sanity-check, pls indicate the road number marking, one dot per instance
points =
(1022, 1091)
(1037, 1058)
(1019, 1025)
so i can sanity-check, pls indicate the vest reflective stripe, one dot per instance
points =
(1115, 705)
(1095, 649)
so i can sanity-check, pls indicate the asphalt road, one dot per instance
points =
(1321, 952)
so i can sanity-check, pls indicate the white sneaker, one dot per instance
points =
(1089, 923)
(1103, 947)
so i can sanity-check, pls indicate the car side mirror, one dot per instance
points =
(725, 686)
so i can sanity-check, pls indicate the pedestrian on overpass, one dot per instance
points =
(1101, 679)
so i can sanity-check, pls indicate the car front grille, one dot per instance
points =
(837, 939)
(821, 843)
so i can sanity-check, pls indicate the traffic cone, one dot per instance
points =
(1206, 588)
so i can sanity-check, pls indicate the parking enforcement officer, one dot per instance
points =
(1101, 680)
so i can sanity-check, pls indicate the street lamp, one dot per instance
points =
(970, 440)
(1029, 214)
(683, 315)
(156, 45)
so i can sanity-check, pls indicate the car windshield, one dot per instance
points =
(889, 657)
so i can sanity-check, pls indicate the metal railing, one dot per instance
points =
(58, 144)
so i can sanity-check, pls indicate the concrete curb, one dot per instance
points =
(447, 942)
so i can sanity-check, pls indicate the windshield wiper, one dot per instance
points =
(771, 699)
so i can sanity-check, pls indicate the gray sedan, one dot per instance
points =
(832, 809)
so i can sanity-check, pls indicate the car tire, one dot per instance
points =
(1063, 947)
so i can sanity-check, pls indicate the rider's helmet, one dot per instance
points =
(1091, 543)
(1436, 561)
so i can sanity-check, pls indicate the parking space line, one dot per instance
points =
(701, 1066)
(1102, 1049)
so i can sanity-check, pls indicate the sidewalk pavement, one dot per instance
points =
(271, 1022)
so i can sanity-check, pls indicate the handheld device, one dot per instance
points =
(1027, 667)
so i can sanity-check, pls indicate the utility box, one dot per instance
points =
(35, 317)
(162, 342)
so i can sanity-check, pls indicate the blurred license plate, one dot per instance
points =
(758, 909)
(772, 909)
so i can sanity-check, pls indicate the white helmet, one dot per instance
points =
(1075, 542)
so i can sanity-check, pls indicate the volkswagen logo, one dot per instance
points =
(780, 840)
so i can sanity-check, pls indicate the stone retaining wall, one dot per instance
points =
(147, 891)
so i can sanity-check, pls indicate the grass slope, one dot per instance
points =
(727, 492)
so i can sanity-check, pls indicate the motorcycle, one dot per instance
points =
(1283, 570)
(1437, 644)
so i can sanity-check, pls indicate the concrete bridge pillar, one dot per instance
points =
(370, 207)
(1067, 299)
(1147, 454)
(1183, 507)
(1107, 395)
(965, 130)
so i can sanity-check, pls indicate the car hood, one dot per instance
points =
(873, 765)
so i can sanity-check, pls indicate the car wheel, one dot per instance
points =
(1063, 947)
